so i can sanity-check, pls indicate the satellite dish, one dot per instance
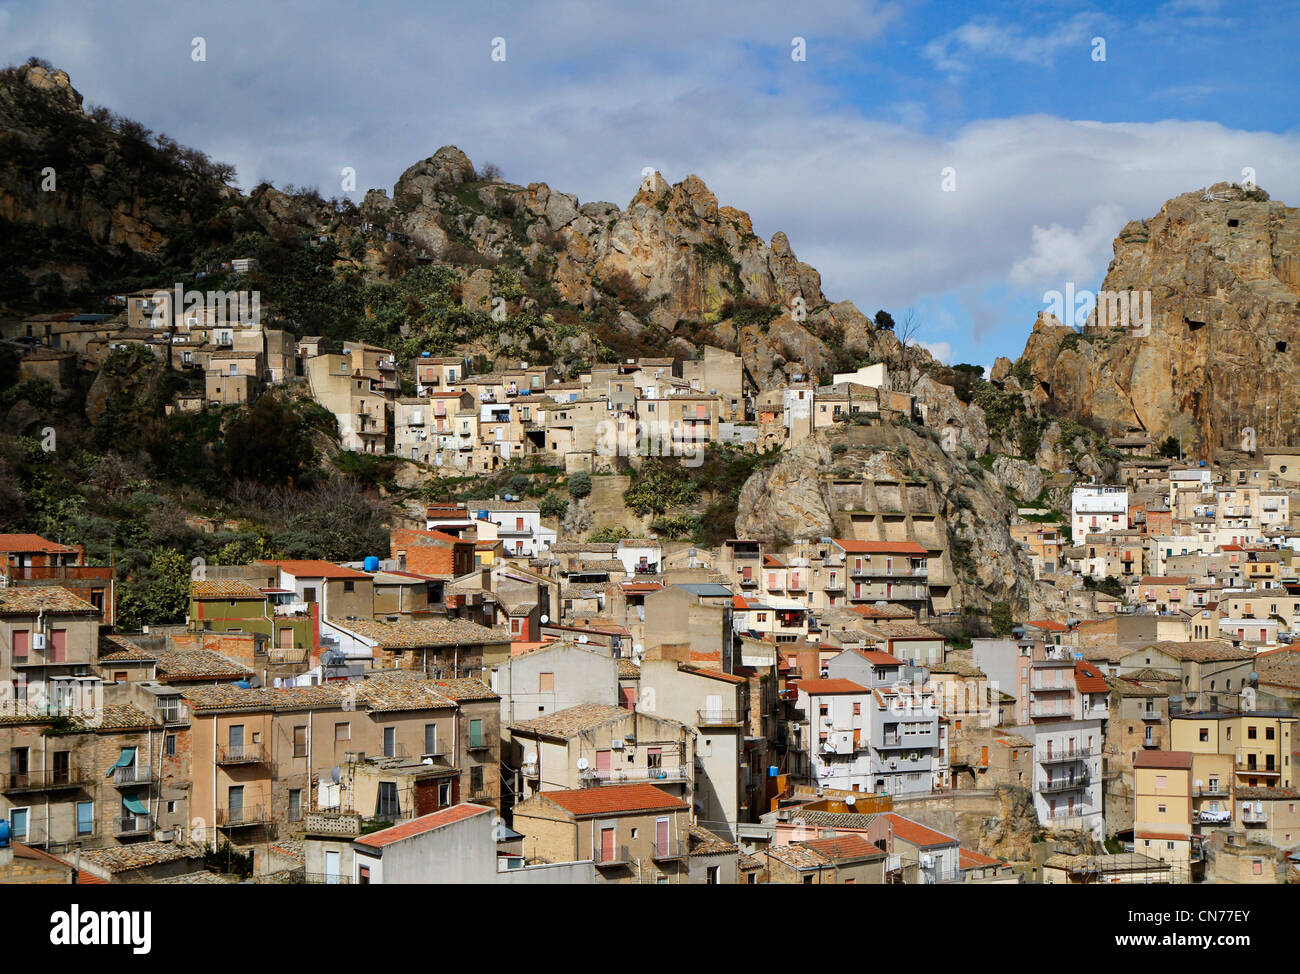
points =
(583, 764)
(334, 774)
(850, 800)
(531, 758)
(545, 619)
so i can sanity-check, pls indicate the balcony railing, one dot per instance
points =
(44, 780)
(242, 816)
(284, 656)
(1151, 715)
(136, 774)
(617, 856)
(713, 718)
(1210, 791)
(240, 754)
(619, 776)
(326, 879)
(1058, 785)
(1078, 754)
(672, 849)
(324, 822)
(134, 825)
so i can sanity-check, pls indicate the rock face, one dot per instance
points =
(788, 501)
(1011, 835)
(1223, 351)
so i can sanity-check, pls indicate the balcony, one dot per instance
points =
(616, 856)
(133, 825)
(1210, 791)
(286, 656)
(1253, 816)
(834, 585)
(717, 718)
(1244, 767)
(328, 823)
(614, 777)
(326, 879)
(672, 849)
(67, 778)
(1077, 754)
(1057, 786)
(241, 816)
(241, 754)
(1151, 715)
(131, 777)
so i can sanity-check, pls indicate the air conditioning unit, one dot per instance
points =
(828, 720)
(617, 744)
(38, 640)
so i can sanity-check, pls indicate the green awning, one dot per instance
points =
(124, 760)
(135, 806)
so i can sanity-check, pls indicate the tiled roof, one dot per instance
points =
(957, 667)
(705, 843)
(43, 598)
(380, 695)
(1088, 678)
(824, 687)
(917, 834)
(1048, 625)
(24, 543)
(125, 717)
(1180, 760)
(198, 664)
(798, 856)
(466, 689)
(901, 630)
(845, 848)
(225, 588)
(628, 670)
(1204, 651)
(123, 858)
(200, 878)
(1268, 794)
(119, 648)
(970, 859)
(572, 720)
(421, 825)
(614, 800)
(878, 657)
(838, 820)
(422, 633)
(711, 674)
(1127, 687)
(880, 547)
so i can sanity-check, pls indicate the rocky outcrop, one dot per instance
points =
(1011, 834)
(1222, 349)
(788, 501)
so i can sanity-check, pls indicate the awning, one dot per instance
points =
(124, 760)
(135, 806)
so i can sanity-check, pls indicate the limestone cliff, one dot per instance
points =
(1221, 353)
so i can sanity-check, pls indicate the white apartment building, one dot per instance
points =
(1097, 509)
(835, 730)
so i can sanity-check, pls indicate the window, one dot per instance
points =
(1268, 733)
(343, 731)
(1204, 734)
(300, 741)
(545, 682)
(387, 806)
(444, 794)
(295, 804)
(430, 738)
(476, 732)
(476, 779)
(349, 585)
(364, 874)
(169, 746)
(85, 818)
(807, 880)
(1250, 732)
(390, 742)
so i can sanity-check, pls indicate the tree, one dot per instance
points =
(1170, 448)
(553, 505)
(269, 443)
(580, 485)
(1000, 618)
(884, 320)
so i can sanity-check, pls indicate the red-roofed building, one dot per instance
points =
(925, 854)
(633, 833)
(894, 572)
(434, 553)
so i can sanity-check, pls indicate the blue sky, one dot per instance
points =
(1053, 151)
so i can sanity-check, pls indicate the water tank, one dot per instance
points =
(482, 514)
(371, 563)
(243, 684)
(424, 355)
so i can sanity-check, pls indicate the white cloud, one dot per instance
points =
(942, 351)
(1060, 254)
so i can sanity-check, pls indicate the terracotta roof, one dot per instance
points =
(628, 670)
(466, 689)
(572, 720)
(1203, 651)
(198, 664)
(878, 657)
(125, 717)
(422, 633)
(969, 859)
(33, 543)
(380, 695)
(1048, 625)
(705, 843)
(311, 568)
(1179, 760)
(1088, 678)
(917, 834)
(798, 856)
(614, 800)
(711, 674)
(823, 687)
(425, 823)
(880, 547)
(844, 848)
(123, 858)
(225, 588)
(43, 598)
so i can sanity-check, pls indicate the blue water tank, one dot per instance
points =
(771, 771)
(372, 563)
(482, 515)
(4, 834)
(243, 684)
(424, 355)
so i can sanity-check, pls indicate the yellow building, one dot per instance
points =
(1259, 742)
(1162, 816)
